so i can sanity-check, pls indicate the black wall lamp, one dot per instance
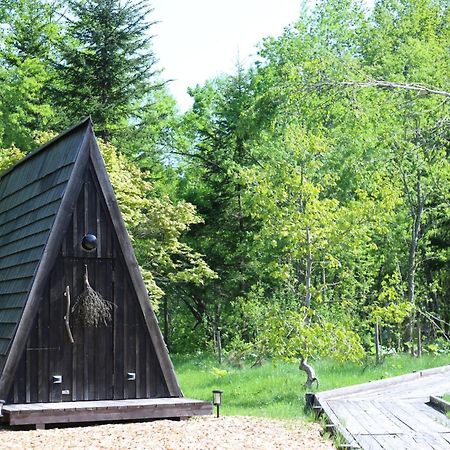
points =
(89, 242)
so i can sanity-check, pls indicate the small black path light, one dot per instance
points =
(217, 400)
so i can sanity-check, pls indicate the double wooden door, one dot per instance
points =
(87, 364)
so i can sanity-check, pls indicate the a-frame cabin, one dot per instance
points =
(49, 202)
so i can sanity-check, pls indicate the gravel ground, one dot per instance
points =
(230, 433)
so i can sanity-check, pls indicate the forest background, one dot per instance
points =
(300, 208)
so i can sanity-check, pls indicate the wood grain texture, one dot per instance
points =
(133, 271)
(94, 411)
(95, 365)
(390, 414)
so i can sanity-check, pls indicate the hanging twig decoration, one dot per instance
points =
(91, 309)
(67, 316)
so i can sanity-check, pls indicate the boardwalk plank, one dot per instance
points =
(406, 417)
(335, 420)
(404, 428)
(416, 442)
(347, 418)
(393, 441)
(368, 442)
(434, 440)
(435, 415)
(371, 412)
(446, 437)
(422, 422)
(371, 423)
(383, 386)
(391, 414)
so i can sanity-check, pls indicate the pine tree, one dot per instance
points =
(107, 66)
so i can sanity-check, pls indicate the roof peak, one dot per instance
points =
(47, 144)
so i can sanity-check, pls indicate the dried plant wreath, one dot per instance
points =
(90, 308)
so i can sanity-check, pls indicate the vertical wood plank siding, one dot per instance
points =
(95, 367)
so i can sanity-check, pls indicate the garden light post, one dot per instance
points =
(217, 400)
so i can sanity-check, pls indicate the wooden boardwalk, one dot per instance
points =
(391, 414)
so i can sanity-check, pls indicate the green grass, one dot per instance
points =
(276, 390)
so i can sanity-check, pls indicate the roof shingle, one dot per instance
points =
(30, 196)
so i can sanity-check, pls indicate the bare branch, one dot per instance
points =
(385, 85)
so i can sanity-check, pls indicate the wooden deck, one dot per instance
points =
(40, 414)
(391, 414)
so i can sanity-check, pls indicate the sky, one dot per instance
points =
(196, 40)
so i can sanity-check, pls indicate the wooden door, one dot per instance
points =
(87, 364)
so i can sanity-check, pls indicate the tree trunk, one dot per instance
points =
(217, 334)
(419, 340)
(219, 346)
(239, 189)
(308, 271)
(377, 343)
(416, 213)
(310, 373)
(324, 285)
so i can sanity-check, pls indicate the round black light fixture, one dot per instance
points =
(89, 242)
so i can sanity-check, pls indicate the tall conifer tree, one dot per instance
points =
(107, 67)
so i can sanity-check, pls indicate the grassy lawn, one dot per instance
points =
(276, 390)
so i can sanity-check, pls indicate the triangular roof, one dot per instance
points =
(37, 197)
(30, 196)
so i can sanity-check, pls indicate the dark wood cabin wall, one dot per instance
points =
(95, 367)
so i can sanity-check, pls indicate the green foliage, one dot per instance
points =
(157, 226)
(8, 157)
(62, 60)
(390, 308)
(439, 346)
(292, 335)
(27, 31)
(301, 182)
(129, 184)
(107, 64)
(319, 189)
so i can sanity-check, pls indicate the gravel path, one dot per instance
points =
(230, 433)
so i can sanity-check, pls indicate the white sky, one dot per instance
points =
(199, 39)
